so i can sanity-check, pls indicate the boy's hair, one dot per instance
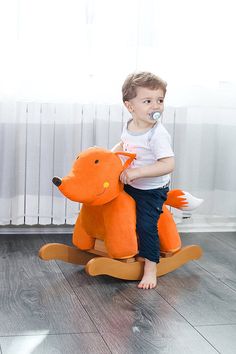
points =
(141, 79)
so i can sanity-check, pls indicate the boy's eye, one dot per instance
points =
(147, 101)
(161, 100)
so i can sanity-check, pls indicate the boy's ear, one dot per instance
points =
(125, 157)
(128, 106)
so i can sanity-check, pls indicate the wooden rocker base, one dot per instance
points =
(97, 262)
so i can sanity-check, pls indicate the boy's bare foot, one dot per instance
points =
(149, 280)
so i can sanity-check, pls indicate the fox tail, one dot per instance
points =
(182, 200)
(168, 234)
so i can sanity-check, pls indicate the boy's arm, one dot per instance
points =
(118, 147)
(160, 168)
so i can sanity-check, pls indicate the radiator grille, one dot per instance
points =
(42, 140)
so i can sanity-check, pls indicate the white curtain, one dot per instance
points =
(58, 55)
(81, 50)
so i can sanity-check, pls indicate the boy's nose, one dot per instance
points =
(157, 105)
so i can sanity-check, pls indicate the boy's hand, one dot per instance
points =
(129, 175)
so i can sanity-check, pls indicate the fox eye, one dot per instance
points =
(96, 161)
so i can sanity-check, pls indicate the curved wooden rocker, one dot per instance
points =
(97, 262)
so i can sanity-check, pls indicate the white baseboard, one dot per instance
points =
(36, 229)
(206, 224)
(195, 223)
(206, 228)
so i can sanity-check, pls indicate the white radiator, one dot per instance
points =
(39, 141)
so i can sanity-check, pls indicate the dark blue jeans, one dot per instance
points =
(148, 208)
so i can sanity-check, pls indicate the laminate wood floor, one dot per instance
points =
(54, 307)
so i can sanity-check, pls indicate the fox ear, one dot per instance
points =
(125, 157)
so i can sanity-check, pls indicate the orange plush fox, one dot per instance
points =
(108, 212)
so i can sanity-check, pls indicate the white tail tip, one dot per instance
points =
(193, 202)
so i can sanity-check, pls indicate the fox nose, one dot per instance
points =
(56, 181)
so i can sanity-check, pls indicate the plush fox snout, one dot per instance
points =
(57, 181)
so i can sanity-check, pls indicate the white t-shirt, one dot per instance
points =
(149, 147)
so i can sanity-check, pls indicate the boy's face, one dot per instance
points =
(146, 102)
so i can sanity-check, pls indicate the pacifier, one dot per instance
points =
(155, 115)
